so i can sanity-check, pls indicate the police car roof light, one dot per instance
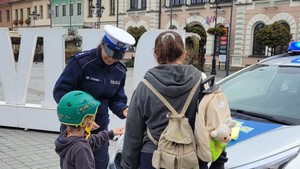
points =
(294, 47)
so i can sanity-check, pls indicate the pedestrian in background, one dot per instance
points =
(100, 73)
(74, 146)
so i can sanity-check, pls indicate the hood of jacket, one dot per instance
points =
(63, 143)
(173, 80)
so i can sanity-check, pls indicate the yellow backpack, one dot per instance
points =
(213, 111)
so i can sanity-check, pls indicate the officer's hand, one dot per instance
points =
(94, 126)
(125, 112)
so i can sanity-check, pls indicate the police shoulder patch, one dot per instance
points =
(82, 54)
(84, 57)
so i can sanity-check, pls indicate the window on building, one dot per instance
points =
(21, 14)
(16, 15)
(56, 11)
(64, 10)
(177, 2)
(134, 4)
(7, 16)
(138, 4)
(194, 2)
(112, 7)
(28, 12)
(41, 12)
(71, 10)
(78, 8)
(144, 4)
(49, 13)
(90, 8)
(0, 16)
(35, 9)
(257, 49)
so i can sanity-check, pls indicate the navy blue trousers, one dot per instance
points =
(146, 161)
(101, 155)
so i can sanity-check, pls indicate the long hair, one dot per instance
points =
(168, 47)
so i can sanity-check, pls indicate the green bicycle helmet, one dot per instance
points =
(74, 106)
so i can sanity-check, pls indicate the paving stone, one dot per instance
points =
(5, 166)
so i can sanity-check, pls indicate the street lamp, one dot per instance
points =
(213, 64)
(171, 5)
(229, 40)
(34, 16)
(98, 10)
(50, 15)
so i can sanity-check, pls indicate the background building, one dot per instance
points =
(5, 14)
(241, 18)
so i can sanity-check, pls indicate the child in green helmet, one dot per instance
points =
(77, 110)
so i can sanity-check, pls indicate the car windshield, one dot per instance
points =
(264, 91)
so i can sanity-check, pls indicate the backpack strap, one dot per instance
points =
(189, 99)
(171, 108)
(151, 137)
(186, 104)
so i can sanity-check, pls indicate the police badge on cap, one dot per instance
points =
(116, 41)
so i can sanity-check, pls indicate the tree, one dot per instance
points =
(136, 32)
(192, 47)
(273, 35)
(198, 29)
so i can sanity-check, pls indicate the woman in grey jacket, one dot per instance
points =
(173, 80)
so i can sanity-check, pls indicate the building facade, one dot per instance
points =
(242, 18)
(76, 14)
(67, 14)
(16, 14)
(5, 14)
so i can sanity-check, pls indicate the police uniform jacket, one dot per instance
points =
(87, 71)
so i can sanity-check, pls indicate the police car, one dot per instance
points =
(265, 101)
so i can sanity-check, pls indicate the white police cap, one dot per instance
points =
(116, 41)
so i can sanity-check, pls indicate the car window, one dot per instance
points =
(241, 87)
(268, 90)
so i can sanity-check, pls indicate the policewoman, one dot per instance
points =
(100, 73)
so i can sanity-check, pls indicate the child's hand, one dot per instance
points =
(118, 131)
(94, 126)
